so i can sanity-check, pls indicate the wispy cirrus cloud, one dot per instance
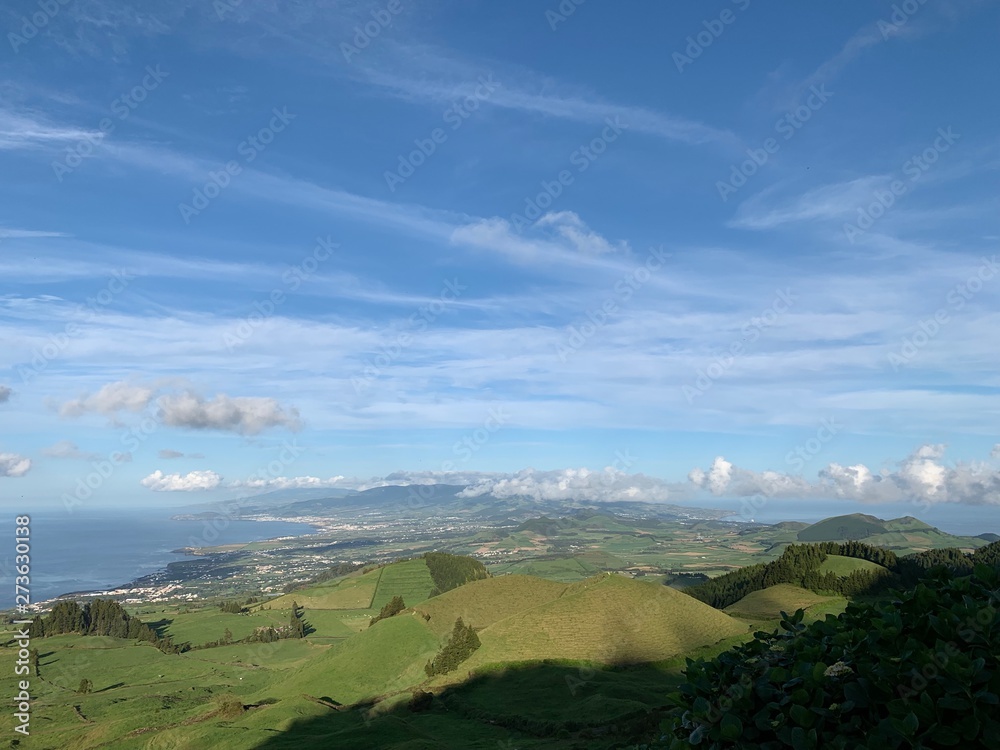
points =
(69, 449)
(26, 131)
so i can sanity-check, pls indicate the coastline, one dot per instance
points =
(162, 584)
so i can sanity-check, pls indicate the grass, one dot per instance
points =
(767, 604)
(609, 619)
(199, 627)
(409, 579)
(844, 566)
(481, 603)
(840, 528)
(354, 591)
(388, 656)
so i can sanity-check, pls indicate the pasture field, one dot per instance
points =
(409, 579)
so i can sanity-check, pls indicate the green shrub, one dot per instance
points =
(922, 671)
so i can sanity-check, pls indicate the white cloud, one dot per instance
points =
(559, 237)
(922, 478)
(195, 481)
(168, 454)
(716, 479)
(111, 398)
(23, 131)
(574, 484)
(828, 202)
(244, 415)
(68, 449)
(285, 483)
(8, 233)
(13, 465)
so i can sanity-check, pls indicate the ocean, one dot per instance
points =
(98, 549)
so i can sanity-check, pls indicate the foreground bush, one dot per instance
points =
(922, 671)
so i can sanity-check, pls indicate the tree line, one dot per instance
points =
(799, 564)
(100, 617)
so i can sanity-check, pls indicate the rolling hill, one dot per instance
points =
(609, 619)
(769, 603)
(906, 534)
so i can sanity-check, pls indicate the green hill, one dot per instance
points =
(844, 566)
(388, 656)
(608, 618)
(769, 603)
(907, 523)
(481, 603)
(841, 528)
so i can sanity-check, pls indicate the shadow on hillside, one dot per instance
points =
(160, 627)
(541, 704)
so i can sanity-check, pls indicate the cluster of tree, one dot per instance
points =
(799, 564)
(393, 607)
(861, 551)
(919, 671)
(451, 571)
(460, 646)
(99, 617)
(335, 571)
(232, 608)
(297, 625)
(913, 567)
(225, 640)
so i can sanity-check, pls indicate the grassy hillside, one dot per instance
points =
(844, 566)
(769, 603)
(409, 579)
(481, 603)
(386, 657)
(354, 591)
(609, 619)
(839, 528)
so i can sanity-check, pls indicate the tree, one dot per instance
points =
(461, 645)
(393, 607)
(85, 686)
(227, 637)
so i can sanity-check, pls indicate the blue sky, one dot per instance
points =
(665, 251)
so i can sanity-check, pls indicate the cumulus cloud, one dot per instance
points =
(286, 483)
(195, 481)
(922, 477)
(245, 415)
(5, 394)
(68, 449)
(573, 484)
(168, 454)
(13, 465)
(110, 399)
